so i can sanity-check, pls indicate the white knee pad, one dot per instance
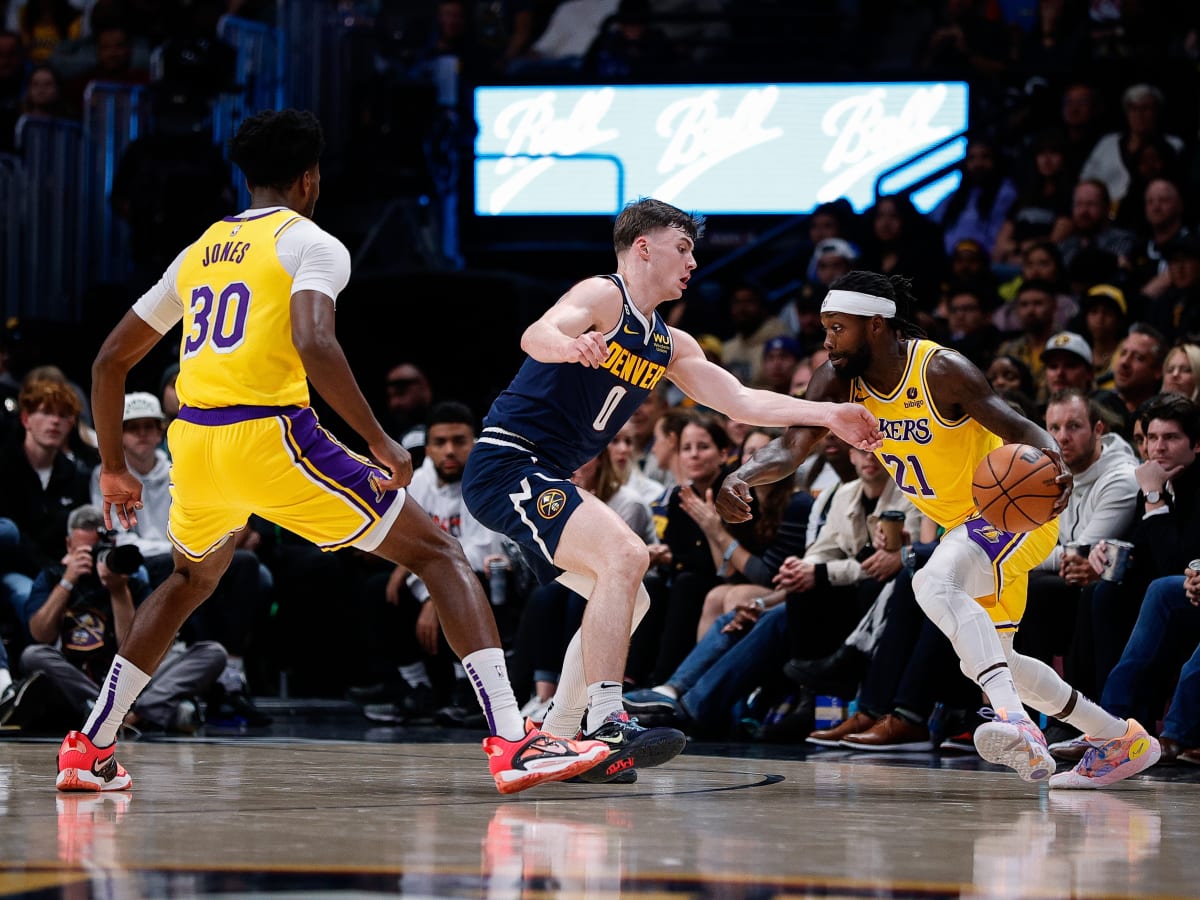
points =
(962, 620)
(641, 606)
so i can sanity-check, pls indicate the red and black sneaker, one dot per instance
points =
(82, 766)
(538, 757)
(632, 746)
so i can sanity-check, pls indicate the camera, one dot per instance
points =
(120, 560)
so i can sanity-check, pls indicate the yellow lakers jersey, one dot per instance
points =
(237, 324)
(931, 458)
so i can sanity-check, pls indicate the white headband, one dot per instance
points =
(857, 304)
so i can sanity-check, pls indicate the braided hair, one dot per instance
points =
(897, 288)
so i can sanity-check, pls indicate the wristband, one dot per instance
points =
(66, 584)
(727, 555)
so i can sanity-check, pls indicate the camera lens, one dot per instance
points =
(123, 560)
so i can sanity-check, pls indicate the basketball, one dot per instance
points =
(1014, 487)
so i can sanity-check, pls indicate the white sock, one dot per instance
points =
(667, 689)
(604, 699)
(120, 688)
(415, 675)
(488, 675)
(1095, 721)
(5, 679)
(1001, 692)
(570, 700)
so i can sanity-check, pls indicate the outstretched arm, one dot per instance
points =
(717, 388)
(783, 455)
(958, 388)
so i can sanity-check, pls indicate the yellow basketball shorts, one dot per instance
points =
(277, 463)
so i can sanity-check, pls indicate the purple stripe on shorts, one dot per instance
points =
(110, 698)
(339, 470)
(994, 542)
(483, 697)
(231, 415)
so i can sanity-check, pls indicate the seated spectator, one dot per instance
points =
(573, 27)
(826, 592)
(41, 484)
(1010, 375)
(1138, 365)
(689, 564)
(781, 355)
(44, 24)
(426, 665)
(1105, 316)
(1042, 208)
(1035, 305)
(629, 48)
(1092, 228)
(1067, 359)
(1143, 107)
(78, 613)
(1166, 633)
(753, 325)
(408, 399)
(43, 97)
(1176, 311)
(114, 64)
(1163, 214)
(620, 456)
(1101, 505)
(1156, 160)
(978, 206)
(1040, 261)
(968, 324)
(1181, 371)
(900, 241)
(1166, 528)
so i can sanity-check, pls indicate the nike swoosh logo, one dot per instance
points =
(106, 769)
(629, 330)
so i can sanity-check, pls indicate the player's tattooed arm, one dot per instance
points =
(783, 455)
(958, 389)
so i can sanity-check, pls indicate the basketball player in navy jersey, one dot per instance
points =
(593, 358)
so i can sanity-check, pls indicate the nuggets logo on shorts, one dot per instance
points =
(550, 503)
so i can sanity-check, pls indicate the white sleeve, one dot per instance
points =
(316, 260)
(160, 307)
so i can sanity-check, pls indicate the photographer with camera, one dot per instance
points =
(78, 613)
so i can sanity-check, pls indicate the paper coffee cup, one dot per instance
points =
(892, 523)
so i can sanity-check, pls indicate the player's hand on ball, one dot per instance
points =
(855, 425)
(589, 349)
(733, 502)
(1064, 479)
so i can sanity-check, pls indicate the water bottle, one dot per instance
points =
(830, 711)
(498, 582)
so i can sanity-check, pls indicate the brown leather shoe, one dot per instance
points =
(829, 737)
(889, 734)
(1192, 757)
(1170, 752)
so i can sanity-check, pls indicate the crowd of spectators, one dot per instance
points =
(1066, 266)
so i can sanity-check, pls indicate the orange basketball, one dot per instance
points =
(1014, 487)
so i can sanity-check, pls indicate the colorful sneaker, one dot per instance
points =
(1107, 762)
(538, 757)
(630, 746)
(1014, 741)
(84, 767)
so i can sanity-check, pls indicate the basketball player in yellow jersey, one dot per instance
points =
(939, 418)
(256, 295)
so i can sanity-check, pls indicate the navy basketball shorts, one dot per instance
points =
(510, 491)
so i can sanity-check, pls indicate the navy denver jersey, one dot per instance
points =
(566, 413)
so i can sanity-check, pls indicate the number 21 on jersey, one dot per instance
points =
(909, 475)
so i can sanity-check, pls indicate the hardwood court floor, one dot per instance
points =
(384, 814)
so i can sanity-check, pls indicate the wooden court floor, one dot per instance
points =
(301, 817)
